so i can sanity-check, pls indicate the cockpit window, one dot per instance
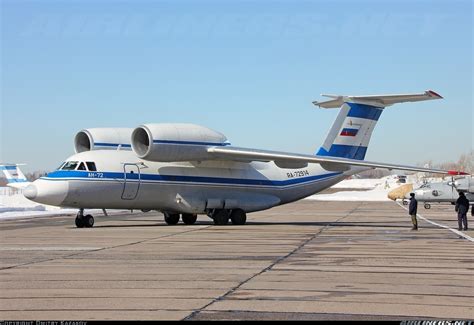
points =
(60, 166)
(70, 165)
(81, 166)
(91, 166)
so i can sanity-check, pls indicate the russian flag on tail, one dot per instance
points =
(349, 132)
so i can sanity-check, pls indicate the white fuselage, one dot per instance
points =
(438, 192)
(123, 181)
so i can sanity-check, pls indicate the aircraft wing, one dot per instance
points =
(291, 160)
(376, 100)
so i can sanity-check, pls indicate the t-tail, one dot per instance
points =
(350, 134)
(14, 176)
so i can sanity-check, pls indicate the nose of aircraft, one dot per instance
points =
(401, 192)
(30, 192)
(47, 192)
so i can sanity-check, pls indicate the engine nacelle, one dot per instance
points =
(103, 139)
(175, 142)
(465, 184)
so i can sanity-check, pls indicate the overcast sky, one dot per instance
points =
(248, 69)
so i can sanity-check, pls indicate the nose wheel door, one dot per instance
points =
(131, 183)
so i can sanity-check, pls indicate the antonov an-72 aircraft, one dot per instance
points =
(184, 169)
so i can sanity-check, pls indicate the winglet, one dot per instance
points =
(434, 94)
(455, 172)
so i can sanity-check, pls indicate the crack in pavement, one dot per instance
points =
(101, 249)
(268, 268)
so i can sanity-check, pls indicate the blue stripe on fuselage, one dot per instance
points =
(364, 111)
(57, 175)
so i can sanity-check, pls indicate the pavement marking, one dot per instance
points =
(457, 232)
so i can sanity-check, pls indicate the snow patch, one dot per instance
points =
(377, 190)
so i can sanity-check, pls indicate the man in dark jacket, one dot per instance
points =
(412, 210)
(462, 206)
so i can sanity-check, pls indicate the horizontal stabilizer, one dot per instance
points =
(376, 100)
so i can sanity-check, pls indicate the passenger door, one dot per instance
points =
(131, 183)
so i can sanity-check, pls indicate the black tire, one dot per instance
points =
(171, 218)
(88, 221)
(189, 219)
(405, 202)
(221, 217)
(427, 206)
(80, 222)
(238, 217)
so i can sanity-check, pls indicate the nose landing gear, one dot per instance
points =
(82, 220)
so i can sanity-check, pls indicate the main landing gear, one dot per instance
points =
(173, 218)
(82, 220)
(221, 216)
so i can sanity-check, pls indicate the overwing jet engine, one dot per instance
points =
(175, 142)
(102, 139)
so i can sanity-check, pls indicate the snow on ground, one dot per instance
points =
(14, 205)
(359, 183)
(377, 190)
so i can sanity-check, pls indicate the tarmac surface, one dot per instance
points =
(306, 260)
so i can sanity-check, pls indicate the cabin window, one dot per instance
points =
(70, 165)
(81, 166)
(91, 166)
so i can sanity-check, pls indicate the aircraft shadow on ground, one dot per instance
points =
(259, 223)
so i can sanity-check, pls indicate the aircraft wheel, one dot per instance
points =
(88, 221)
(80, 222)
(405, 202)
(221, 217)
(171, 218)
(189, 219)
(238, 217)
(427, 206)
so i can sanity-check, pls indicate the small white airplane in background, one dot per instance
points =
(184, 169)
(443, 192)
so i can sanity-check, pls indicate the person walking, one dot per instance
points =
(462, 207)
(412, 211)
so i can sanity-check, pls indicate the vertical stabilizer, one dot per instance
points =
(350, 134)
(14, 175)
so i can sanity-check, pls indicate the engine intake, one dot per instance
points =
(103, 139)
(175, 142)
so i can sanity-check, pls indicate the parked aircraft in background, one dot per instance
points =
(184, 169)
(446, 191)
(15, 177)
